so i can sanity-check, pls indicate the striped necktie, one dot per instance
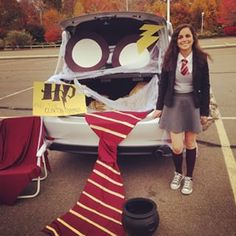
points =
(99, 209)
(184, 67)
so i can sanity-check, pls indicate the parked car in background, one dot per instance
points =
(115, 58)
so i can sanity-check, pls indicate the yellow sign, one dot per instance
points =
(148, 39)
(50, 99)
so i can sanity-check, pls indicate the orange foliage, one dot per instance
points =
(180, 13)
(53, 34)
(227, 12)
(51, 18)
(102, 5)
(31, 15)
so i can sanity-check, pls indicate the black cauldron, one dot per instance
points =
(140, 217)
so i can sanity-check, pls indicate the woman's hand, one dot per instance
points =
(156, 113)
(204, 120)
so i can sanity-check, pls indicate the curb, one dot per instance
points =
(226, 45)
(28, 57)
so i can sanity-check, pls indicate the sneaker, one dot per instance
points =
(188, 185)
(176, 182)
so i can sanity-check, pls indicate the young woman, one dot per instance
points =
(183, 100)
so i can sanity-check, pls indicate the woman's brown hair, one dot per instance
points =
(172, 52)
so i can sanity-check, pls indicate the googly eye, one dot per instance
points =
(86, 51)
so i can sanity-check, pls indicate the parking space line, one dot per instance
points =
(228, 118)
(225, 145)
(18, 92)
(227, 154)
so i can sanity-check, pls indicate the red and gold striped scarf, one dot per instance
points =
(99, 209)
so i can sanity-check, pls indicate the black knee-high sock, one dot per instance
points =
(190, 161)
(178, 160)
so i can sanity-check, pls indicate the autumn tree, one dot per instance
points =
(53, 34)
(30, 13)
(68, 7)
(180, 12)
(55, 4)
(102, 5)
(51, 20)
(16, 38)
(11, 15)
(78, 9)
(138, 5)
(206, 9)
(210, 13)
(38, 16)
(37, 32)
(51, 17)
(158, 7)
(39, 6)
(227, 12)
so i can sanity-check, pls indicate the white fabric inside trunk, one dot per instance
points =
(143, 100)
(62, 70)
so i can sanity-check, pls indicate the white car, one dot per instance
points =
(115, 59)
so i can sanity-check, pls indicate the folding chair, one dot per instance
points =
(22, 157)
(41, 163)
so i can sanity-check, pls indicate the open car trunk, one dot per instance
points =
(113, 54)
(115, 59)
(127, 94)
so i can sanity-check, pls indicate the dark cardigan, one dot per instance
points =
(201, 86)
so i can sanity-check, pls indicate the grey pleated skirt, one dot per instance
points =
(182, 116)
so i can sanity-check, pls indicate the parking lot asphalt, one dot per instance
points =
(208, 43)
(209, 211)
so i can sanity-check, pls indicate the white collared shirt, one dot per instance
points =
(184, 83)
(189, 58)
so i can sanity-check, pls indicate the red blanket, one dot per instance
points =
(20, 139)
(99, 209)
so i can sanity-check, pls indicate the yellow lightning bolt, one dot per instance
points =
(148, 38)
